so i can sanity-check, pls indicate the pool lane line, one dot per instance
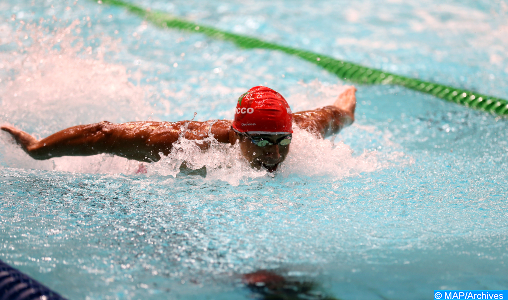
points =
(343, 69)
(15, 285)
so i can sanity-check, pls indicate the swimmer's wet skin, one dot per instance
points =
(262, 126)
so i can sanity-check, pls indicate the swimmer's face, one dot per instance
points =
(269, 156)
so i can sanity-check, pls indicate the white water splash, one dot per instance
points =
(308, 156)
(315, 94)
(222, 162)
(59, 82)
(312, 156)
(53, 81)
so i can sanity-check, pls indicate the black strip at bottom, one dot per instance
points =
(15, 285)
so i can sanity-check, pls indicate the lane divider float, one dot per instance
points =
(343, 69)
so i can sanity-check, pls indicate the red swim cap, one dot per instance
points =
(263, 111)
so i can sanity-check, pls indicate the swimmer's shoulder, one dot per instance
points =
(221, 130)
(195, 130)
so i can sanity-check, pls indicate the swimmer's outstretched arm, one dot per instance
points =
(142, 141)
(331, 119)
(145, 141)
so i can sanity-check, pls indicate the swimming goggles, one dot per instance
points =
(260, 142)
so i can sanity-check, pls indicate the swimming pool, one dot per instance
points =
(409, 199)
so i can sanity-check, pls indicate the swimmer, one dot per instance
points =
(262, 126)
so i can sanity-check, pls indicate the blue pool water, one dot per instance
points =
(411, 198)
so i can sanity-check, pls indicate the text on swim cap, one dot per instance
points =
(244, 110)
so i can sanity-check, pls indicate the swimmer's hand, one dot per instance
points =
(347, 102)
(24, 139)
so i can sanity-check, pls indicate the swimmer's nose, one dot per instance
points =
(272, 151)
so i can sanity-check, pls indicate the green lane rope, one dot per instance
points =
(344, 70)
